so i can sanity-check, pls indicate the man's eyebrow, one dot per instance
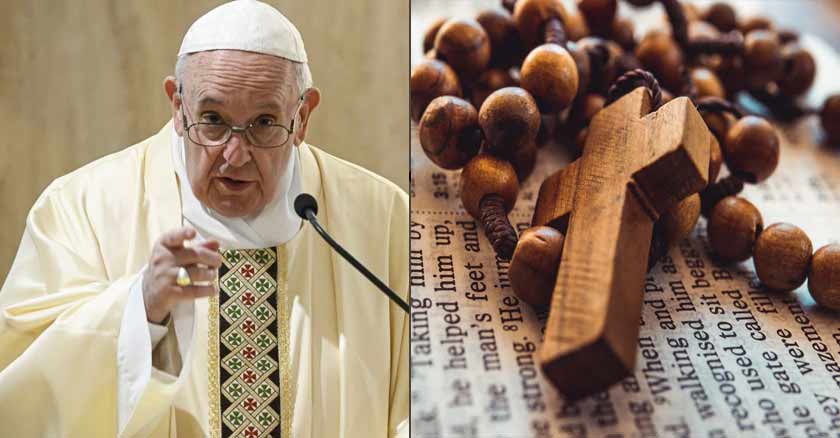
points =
(209, 100)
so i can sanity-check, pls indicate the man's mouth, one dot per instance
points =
(234, 185)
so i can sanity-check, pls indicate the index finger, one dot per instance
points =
(175, 239)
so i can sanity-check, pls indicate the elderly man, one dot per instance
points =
(169, 289)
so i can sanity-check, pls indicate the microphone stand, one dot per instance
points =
(310, 216)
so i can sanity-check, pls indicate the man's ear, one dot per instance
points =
(170, 87)
(311, 99)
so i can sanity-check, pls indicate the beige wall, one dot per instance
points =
(82, 79)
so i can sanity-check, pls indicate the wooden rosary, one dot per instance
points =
(540, 64)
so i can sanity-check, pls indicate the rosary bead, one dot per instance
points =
(449, 132)
(531, 15)
(782, 255)
(722, 16)
(734, 225)
(599, 14)
(429, 79)
(505, 45)
(549, 73)
(830, 119)
(490, 81)
(486, 174)
(585, 109)
(524, 161)
(624, 33)
(582, 64)
(719, 124)
(510, 120)
(755, 23)
(732, 74)
(533, 269)
(660, 54)
(763, 57)
(464, 45)
(707, 83)
(751, 149)
(603, 71)
(799, 70)
(824, 277)
(431, 33)
(575, 25)
(679, 221)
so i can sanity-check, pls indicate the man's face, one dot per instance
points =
(236, 87)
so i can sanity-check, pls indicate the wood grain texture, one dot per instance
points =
(80, 80)
(634, 167)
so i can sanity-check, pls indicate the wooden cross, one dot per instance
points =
(634, 167)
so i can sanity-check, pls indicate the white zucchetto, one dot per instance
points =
(247, 25)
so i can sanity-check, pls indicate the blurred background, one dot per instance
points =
(82, 79)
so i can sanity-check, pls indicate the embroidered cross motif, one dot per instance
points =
(249, 377)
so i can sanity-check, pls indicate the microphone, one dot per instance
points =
(307, 207)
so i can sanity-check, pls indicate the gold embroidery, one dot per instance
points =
(283, 337)
(213, 367)
(283, 340)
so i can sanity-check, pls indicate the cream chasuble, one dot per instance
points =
(342, 347)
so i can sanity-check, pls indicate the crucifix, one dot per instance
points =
(635, 166)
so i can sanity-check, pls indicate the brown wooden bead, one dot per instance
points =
(599, 14)
(732, 74)
(782, 255)
(702, 29)
(722, 16)
(623, 32)
(524, 160)
(585, 109)
(660, 54)
(715, 159)
(449, 132)
(575, 25)
(510, 120)
(530, 17)
(692, 13)
(734, 225)
(431, 33)
(762, 57)
(533, 268)
(486, 174)
(549, 73)
(464, 45)
(830, 119)
(601, 78)
(490, 81)
(431, 78)
(751, 149)
(582, 63)
(707, 83)
(719, 124)
(824, 277)
(505, 45)
(755, 23)
(679, 221)
(800, 69)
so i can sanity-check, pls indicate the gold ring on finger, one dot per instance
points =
(183, 277)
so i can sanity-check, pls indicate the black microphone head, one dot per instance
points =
(303, 202)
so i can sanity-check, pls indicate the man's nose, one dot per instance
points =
(236, 151)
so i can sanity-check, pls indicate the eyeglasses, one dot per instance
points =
(261, 133)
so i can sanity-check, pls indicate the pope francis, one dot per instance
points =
(169, 289)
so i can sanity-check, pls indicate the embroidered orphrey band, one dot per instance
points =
(249, 347)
